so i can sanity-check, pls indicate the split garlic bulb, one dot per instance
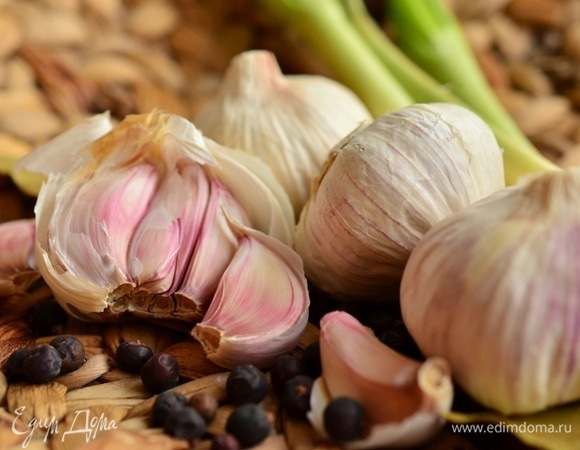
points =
(289, 121)
(384, 186)
(495, 290)
(151, 219)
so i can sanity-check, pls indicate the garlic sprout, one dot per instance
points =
(383, 187)
(494, 289)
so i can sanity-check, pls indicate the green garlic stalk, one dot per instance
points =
(327, 29)
(430, 35)
(385, 78)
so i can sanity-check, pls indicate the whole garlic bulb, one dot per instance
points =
(495, 290)
(384, 186)
(290, 122)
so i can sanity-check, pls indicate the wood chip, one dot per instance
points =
(44, 402)
(128, 439)
(128, 388)
(83, 425)
(91, 370)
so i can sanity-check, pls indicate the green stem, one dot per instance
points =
(430, 35)
(325, 25)
(520, 156)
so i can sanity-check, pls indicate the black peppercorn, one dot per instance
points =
(131, 356)
(296, 396)
(249, 424)
(225, 441)
(284, 368)
(185, 423)
(344, 419)
(205, 404)
(71, 351)
(311, 360)
(42, 364)
(160, 372)
(246, 384)
(165, 403)
(14, 362)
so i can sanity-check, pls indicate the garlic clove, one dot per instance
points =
(289, 121)
(214, 249)
(265, 201)
(405, 400)
(17, 264)
(383, 187)
(260, 308)
(495, 290)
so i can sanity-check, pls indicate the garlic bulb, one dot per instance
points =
(140, 222)
(290, 122)
(17, 265)
(404, 400)
(383, 187)
(495, 290)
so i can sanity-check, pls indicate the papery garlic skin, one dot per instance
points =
(495, 290)
(290, 122)
(17, 264)
(118, 229)
(405, 400)
(383, 187)
(260, 309)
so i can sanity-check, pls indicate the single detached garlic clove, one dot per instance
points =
(117, 231)
(495, 290)
(260, 309)
(383, 187)
(405, 400)
(289, 121)
(17, 264)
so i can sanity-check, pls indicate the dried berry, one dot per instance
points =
(311, 360)
(71, 351)
(296, 395)
(284, 368)
(48, 318)
(131, 356)
(42, 364)
(185, 423)
(166, 403)
(246, 384)
(225, 441)
(249, 424)
(14, 363)
(344, 419)
(205, 404)
(160, 372)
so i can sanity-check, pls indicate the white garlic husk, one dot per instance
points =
(132, 224)
(290, 122)
(404, 400)
(495, 290)
(383, 187)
